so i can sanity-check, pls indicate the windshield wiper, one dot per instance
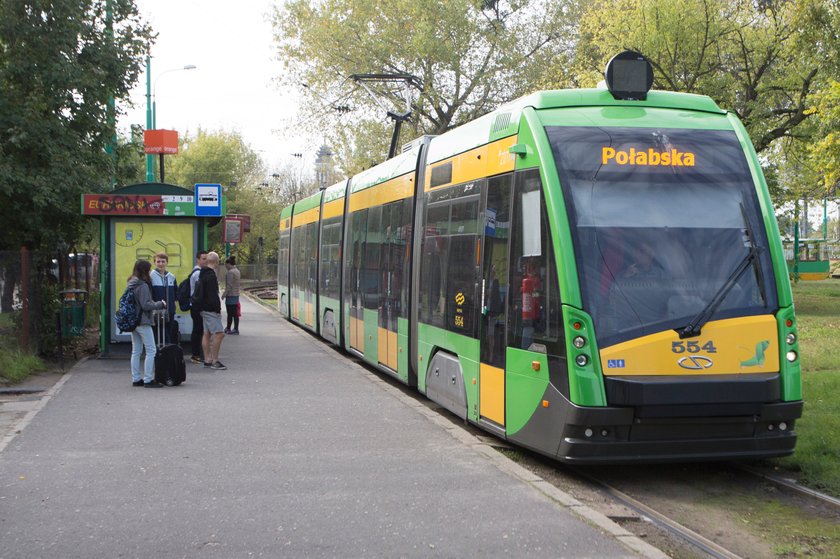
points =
(694, 327)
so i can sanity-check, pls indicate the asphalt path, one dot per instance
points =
(295, 451)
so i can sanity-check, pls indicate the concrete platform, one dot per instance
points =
(295, 451)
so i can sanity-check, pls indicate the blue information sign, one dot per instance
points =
(208, 200)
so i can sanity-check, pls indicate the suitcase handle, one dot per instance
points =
(160, 322)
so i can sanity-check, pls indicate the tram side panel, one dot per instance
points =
(376, 274)
(329, 266)
(304, 262)
(283, 262)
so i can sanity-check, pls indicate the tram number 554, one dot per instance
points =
(693, 347)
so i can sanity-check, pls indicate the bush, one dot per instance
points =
(16, 365)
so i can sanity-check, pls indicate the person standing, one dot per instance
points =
(195, 312)
(207, 297)
(165, 288)
(231, 295)
(142, 336)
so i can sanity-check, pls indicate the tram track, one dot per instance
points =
(661, 520)
(653, 500)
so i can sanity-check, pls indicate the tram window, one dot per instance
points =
(311, 256)
(330, 261)
(433, 280)
(373, 245)
(461, 282)
(354, 285)
(404, 242)
(449, 269)
(535, 321)
(283, 258)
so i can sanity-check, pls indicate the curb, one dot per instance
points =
(18, 427)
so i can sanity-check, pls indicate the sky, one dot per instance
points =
(234, 84)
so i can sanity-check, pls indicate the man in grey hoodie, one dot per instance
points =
(142, 337)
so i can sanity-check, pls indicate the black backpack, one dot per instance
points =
(184, 293)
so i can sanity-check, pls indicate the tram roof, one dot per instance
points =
(504, 121)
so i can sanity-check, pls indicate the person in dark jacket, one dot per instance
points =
(197, 336)
(206, 297)
(142, 337)
(165, 288)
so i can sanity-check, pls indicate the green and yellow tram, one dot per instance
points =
(596, 275)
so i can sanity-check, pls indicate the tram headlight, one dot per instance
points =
(582, 360)
(579, 341)
(791, 356)
(791, 338)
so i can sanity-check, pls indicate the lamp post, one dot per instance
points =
(151, 109)
(154, 89)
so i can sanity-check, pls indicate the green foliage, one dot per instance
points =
(817, 456)
(772, 63)
(16, 365)
(469, 55)
(215, 157)
(225, 158)
(59, 64)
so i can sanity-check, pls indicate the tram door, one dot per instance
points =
(494, 289)
(390, 264)
(356, 283)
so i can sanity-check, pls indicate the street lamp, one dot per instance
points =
(154, 90)
(150, 112)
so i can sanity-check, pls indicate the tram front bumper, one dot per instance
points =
(616, 435)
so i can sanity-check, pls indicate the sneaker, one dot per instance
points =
(227, 330)
(218, 366)
(196, 359)
(137, 383)
(153, 384)
(234, 332)
(207, 365)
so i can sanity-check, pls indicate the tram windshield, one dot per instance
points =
(665, 223)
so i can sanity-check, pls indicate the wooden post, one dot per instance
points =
(24, 295)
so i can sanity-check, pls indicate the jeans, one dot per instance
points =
(141, 338)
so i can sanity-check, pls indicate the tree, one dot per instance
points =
(470, 55)
(224, 158)
(749, 57)
(59, 64)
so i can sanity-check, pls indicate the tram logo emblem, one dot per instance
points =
(695, 362)
(459, 298)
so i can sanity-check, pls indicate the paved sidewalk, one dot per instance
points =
(295, 451)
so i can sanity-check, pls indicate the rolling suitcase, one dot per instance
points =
(170, 368)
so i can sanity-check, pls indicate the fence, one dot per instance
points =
(262, 273)
(30, 284)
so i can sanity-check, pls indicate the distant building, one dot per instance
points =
(324, 167)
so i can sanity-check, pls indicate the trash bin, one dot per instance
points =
(73, 303)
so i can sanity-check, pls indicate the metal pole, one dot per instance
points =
(150, 162)
(111, 147)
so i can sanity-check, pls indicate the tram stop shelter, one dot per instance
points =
(138, 221)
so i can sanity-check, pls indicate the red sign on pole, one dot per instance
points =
(160, 141)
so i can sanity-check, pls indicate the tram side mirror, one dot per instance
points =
(629, 76)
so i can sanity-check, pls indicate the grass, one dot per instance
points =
(15, 365)
(817, 457)
(805, 534)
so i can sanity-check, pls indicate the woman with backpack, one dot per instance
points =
(142, 336)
